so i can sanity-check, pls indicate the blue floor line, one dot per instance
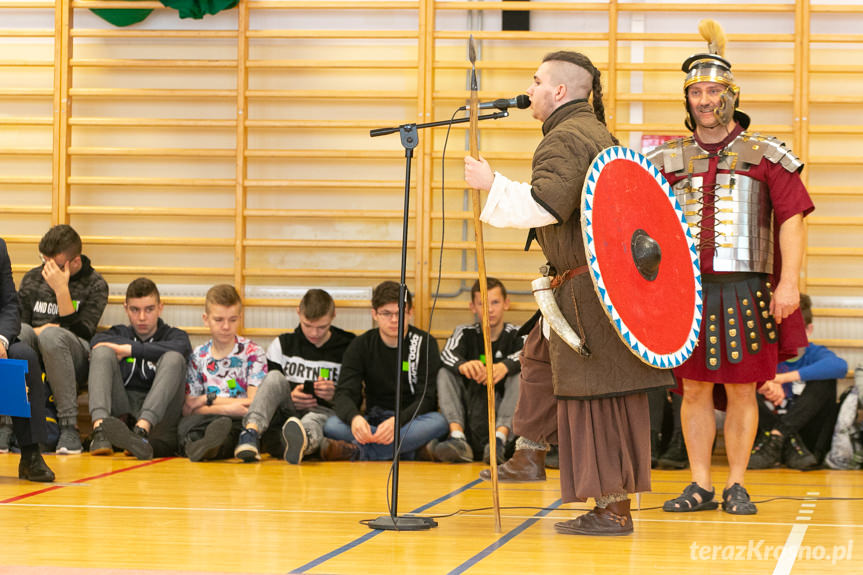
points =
(360, 540)
(505, 539)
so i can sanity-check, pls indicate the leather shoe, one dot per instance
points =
(34, 468)
(338, 450)
(613, 520)
(524, 465)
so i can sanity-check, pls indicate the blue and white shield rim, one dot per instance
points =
(639, 348)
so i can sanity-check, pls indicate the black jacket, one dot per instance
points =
(139, 369)
(89, 290)
(368, 369)
(10, 320)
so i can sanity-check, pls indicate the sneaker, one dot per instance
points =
(120, 435)
(69, 442)
(248, 446)
(499, 455)
(295, 440)
(99, 444)
(5, 438)
(655, 445)
(675, 456)
(338, 450)
(552, 457)
(214, 436)
(767, 452)
(454, 450)
(426, 452)
(797, 456)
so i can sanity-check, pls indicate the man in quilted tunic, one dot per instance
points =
(602, 410)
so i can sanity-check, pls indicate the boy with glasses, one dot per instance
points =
(368, 375)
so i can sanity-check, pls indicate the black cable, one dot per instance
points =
(535, 508)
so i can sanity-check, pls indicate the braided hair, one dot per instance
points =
(583, 62)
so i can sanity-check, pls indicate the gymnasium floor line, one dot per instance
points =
(373, 533)
(83, 480)
(505, 539)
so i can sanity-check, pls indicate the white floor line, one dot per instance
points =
(792, 544)
(789, 550)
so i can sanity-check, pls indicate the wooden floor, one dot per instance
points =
(118, 515)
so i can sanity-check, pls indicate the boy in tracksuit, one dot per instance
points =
(138, 370)
(461, 383)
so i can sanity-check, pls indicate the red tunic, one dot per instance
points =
(788, 197)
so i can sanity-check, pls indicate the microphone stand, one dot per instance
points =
(409, 139)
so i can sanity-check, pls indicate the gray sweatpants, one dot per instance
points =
(65, 356)
(452, 399)
(275, 391)
(162, 405)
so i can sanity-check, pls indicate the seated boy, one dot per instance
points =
(61, 303)
(368, 375)
(796, 419)
(138, 370)
(221, 381)
(303, 366)
(461, 384)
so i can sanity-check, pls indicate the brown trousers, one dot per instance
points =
(535, 416)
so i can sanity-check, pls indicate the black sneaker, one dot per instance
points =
(207, 447)
(295, 440)
(99, 444)
(5, 437)
(655, 445)
(499, 455)
(120, 435)
(797, 456)
(69, 442)
(675, 456)
(552, 457)
(248, 446)
(767, 452)
(454, 450)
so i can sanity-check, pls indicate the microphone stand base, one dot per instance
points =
(402, 523)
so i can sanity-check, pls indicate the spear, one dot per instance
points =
(483, 286)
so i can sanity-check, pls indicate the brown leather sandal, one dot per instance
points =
(612, 520)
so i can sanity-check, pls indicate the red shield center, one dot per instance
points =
(659, 313)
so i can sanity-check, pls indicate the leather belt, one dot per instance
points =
(560, 279)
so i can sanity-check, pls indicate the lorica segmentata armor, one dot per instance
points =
(740, 229)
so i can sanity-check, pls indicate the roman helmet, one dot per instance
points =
(713, 67)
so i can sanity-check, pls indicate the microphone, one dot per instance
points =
(521, 102)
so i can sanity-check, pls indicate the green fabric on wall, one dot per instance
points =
(122, 17)
(199, 8)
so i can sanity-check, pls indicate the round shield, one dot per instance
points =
(642, 258)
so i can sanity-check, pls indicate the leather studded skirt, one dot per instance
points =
(738, 339)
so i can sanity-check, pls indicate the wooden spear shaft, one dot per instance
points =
(483, 290)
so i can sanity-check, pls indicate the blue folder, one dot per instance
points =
(13, 388)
